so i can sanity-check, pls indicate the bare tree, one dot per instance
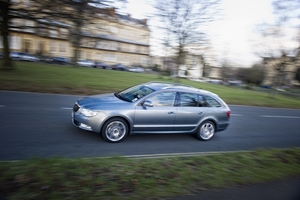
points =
(276, 43)
(74, 13)
(181, 22)
(297, 76)
(206, 66)
(254, 75)
(226, 71)
(5, 6)
(287, 11)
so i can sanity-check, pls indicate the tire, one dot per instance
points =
(114, 130)
(206, 130)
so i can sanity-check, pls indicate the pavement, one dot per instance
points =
(284, 189)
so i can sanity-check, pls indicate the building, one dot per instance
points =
(111, 38)
(281, 71)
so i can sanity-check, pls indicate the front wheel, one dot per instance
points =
(114, 130)
(206, 131)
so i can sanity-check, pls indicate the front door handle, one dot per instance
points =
(171, 113)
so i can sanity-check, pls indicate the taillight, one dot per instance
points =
(228, 113)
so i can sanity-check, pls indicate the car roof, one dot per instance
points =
(176, 86)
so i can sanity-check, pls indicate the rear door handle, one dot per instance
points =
(171, 113)
(201, 113)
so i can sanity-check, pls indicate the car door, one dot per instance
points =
(190, 111)
(158, 116)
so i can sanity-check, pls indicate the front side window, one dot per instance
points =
(163, 99)
(134, 93)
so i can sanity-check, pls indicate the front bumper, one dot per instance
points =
(87, 123)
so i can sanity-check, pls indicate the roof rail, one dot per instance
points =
(175, 84)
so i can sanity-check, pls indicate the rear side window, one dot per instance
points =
(201, 101)
(188, 100)
(211, 102)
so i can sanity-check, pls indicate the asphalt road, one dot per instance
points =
(39, 125)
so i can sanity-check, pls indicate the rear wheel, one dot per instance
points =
(115, 130)
(206, 131)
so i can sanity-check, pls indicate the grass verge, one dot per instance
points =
(48, 78)
(123, 178)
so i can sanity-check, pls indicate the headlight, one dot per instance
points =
(88, 113)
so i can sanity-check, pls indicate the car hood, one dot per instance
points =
(101, 100)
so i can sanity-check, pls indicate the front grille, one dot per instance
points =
(75, 107)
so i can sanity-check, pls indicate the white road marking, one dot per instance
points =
(182, 154)
(238, 115)
(167, 155)
(278, 116)
(66, 108)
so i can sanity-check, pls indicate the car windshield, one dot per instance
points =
(134, 93)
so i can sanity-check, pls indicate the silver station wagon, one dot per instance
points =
(153, 107)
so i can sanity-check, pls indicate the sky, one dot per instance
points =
(230, 37)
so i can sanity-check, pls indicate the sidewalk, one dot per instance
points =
(286, 189)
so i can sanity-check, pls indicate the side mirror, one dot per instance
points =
(147, 103)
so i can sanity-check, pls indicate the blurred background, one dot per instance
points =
(218, 41)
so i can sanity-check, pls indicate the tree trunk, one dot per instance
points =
(7, 63)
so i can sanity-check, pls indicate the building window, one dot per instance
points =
(42, 30)
(88, 55)
(28, 24)
(109, 57)
(16, 23)
(63, 47)
(15, 42)
(53, 33)
(91, 43)
(126, 59)
(64, 32)
(107, 45)
(132, 48)
(27, 3)
(98, 56)
(53, 47)
(144, 60)
(114, 29)
(27, 45)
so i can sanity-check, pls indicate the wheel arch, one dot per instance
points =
(122, 117)
(214, 121)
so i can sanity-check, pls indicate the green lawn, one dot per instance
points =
(39, 77)
(121, 178)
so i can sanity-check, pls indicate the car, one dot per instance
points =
(119, 67)
(23, 56)
(150, 108)
(136, 69)
(85, 63)
(102, 65)
(59, 60)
